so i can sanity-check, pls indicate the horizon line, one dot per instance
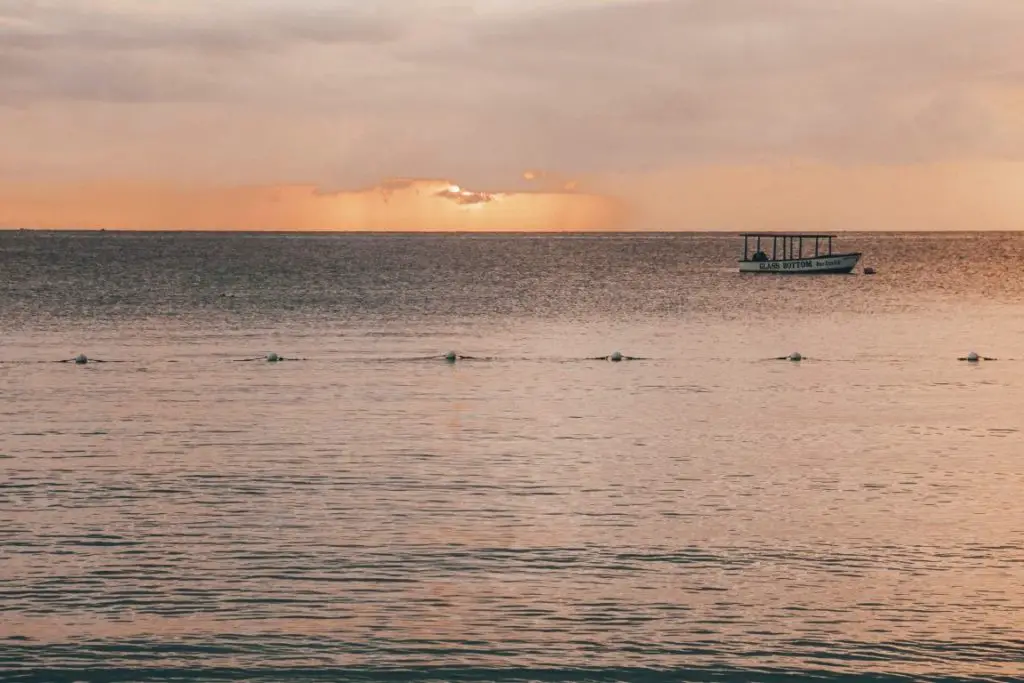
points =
(736, 233)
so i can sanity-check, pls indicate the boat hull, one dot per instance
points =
(836, 263)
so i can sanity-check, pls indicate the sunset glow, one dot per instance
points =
(521, 112)
(406, 206)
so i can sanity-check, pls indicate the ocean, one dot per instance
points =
(364, 510)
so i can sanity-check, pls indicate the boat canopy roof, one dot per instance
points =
(787, 234)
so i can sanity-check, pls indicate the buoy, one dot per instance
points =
(795, 356)
(273, 357)
(972, 357)
(615, 357)
(451, 356)
(81, 359)
(869, 271)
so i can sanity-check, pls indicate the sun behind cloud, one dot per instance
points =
(444, 205)
(392, 205)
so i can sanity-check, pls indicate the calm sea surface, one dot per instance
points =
(371, 512)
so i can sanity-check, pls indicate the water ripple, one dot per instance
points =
(704, 515)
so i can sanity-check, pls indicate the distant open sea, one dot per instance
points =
(365, 511)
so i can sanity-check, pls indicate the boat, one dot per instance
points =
(789, 255)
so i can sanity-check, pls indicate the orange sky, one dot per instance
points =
(576, 115)
(394, 206)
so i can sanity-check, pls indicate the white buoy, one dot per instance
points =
(795, 356)
(615, 357)
(273, 357)
(451, 356)
(81, 359)
(972, 357)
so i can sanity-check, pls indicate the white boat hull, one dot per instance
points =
(836, 263)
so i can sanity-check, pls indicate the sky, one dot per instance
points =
(512, 114)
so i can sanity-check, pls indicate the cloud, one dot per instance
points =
(187, 25)
(161, 52)
(403, 205)
(465, 197)
(343, 94)
(654, 83)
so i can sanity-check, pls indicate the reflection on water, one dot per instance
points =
(704, 514)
